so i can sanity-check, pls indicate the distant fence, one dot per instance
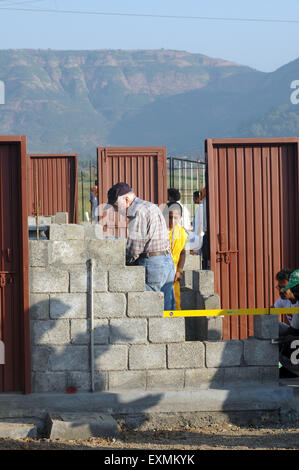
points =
(187, 176)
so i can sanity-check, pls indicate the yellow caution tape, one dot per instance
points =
(231, 312)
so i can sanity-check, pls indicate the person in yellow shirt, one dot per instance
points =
(177, 237)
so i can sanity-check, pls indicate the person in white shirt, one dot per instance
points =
(287, 300)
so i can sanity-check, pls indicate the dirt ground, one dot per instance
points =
(213, 437)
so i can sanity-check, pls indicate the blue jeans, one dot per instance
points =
(159, 276)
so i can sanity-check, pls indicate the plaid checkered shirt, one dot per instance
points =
(147, 230)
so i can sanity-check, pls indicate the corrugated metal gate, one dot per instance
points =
(143, 168)
(15, 374)
(253, 199)
(53, 185)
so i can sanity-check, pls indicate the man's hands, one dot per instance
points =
(178, 276)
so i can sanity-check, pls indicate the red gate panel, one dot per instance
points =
(253, 200)
(53, 185)
(15, 374)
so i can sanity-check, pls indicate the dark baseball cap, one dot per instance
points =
(118, 189)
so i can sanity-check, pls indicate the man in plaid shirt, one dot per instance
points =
(148, 241)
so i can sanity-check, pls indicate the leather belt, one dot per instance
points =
(154, 253)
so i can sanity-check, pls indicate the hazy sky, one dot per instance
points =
(262, 45)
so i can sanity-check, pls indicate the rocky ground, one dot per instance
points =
(213, 437)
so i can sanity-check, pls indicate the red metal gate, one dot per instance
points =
(143, 168)
(53, 185)
(15, 374)
(253, 198)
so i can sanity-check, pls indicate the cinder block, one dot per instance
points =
(78, 426)
(40, 356)
(269, 375)
(67, 252)
(127, 380)
(48, 382)
(185, 355)
(38, 253)
(80, 279)
(111, 357)
(223, 353)
(258, 352)
(203, 282)
(128, 331)
(50, 332)
(192, 262)
(187, 280)
(265, 326)
(68, 306)
(61, 218)
(166, 330)
(110, 305)
(66, 232)
(80, 380)
(145, 304)
(108, 251)
(39, 306)
(15, 430)
(46, 280)
(131, 279)
(242, 375)
(165, 379)
(70, 358)
(204, 378)
(93, 231)
(101, 381)
(211, 302)
(143, 357)
(189, 299)
(80, 331)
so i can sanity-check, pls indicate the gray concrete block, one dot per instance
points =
(144, 357)
(187, 280)
(92, 231)
(203, 282)
(80, 380)
(100, 381)
(166, 330)
(211, 302)
(269, 375)
(145, 304)
(80, 331)
(128, 331)
(46, 280)
(80, 279)
(242, 375)
(110, 305)
(39, 306)
(40, 356)
(259, 352)
(50, 332)
(70, 358)
(192, 262)
(66, 232)
(223, 353)
(165, 379)
(130, 279)
(127, 380)
(48, 382)
(189, 299)
(265, 326)
(185, 355)
(38, 253)
(67, 252)
(60, 218)
(17, 430)
(78, 426)
(108, 251)
(204, 378)
(111, 357)
(68, 306)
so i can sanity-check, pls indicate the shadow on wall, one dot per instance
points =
(61, 356)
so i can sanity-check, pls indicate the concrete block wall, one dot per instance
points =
(135, 347)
